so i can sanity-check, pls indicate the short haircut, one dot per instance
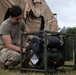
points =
(7, 14)
(15, 11)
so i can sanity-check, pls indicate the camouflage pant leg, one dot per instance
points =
(9, 57)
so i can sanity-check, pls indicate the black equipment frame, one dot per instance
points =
(45, 70)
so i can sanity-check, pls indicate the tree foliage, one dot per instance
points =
(69, 30)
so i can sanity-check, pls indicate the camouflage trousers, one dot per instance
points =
(9, 57)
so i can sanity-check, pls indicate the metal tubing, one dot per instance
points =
(45, 52)
(21, 47)
(75, 51)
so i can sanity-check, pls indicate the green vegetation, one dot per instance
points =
(66, 71)
(62, 71)
(68, 30)
(16, 72)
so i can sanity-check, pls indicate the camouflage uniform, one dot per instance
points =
(7, 56)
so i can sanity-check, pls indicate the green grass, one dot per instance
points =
(14, 72)
(62, 71)
(68, 71)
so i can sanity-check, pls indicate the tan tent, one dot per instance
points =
(35, 13)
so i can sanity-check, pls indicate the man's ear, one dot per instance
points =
(11, 17)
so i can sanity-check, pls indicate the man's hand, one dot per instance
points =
(24, 49)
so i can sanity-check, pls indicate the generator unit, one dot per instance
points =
(47, 51)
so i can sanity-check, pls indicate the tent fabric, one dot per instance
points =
(32, 10)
